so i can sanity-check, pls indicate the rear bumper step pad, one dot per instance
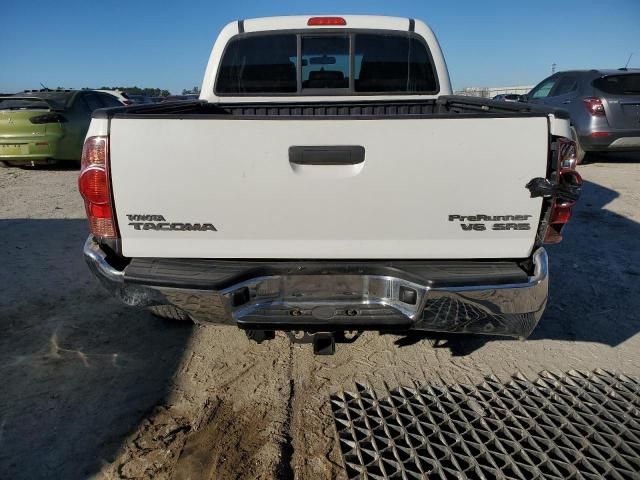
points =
(214, 274)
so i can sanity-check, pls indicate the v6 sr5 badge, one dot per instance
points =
(480, 222)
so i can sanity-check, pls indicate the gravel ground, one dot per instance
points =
(93, 389)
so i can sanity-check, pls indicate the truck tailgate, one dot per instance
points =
(410, 198)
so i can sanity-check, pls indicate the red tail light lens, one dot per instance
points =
(323, 21)
(95, 187)
(100, 211)
(594, 106)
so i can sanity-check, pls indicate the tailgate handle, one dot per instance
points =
(326, 155)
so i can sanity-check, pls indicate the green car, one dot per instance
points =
(47, 126)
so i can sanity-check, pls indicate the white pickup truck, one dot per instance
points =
(327, 181)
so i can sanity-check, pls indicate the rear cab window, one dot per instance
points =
(325, 61)
(627, 84)
(259, 64)
(330, 63)
(393, 63)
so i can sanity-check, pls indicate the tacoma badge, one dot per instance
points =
(158, 222)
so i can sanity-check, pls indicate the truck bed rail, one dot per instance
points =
(445, 106)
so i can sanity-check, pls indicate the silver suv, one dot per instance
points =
(604, 106)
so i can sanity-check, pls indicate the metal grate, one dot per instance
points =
(560, 426)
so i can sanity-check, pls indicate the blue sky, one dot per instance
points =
(166, 44)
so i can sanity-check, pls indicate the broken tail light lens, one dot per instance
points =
(558, 218)
(564, 174)
(95, 187)
(567, 159)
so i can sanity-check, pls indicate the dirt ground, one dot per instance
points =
(90, 388)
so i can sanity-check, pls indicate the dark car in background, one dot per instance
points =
(604, 106)
(508, 97)
(177, 98)
(47, 126)
(137, 99)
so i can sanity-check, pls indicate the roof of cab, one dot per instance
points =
(300, 21)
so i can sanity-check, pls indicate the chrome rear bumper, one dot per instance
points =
(345, 301)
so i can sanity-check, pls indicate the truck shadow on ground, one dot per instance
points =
(78, 370)
(594, 279)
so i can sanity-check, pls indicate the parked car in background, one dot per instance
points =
(128, 98)
(604, 106)
(46, 126)
(175, 98)
(508, 97)
(119, 94)
(138, 99)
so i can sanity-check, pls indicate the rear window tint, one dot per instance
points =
(628, 84)
(392, 63)
(259, 64)
(325, 61)
(344, 63)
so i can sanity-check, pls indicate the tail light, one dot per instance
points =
(325, 21)
(594, 106)
(48, 118)
(566, 179)
(95, 187)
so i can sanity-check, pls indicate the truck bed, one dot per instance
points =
(444, 107)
